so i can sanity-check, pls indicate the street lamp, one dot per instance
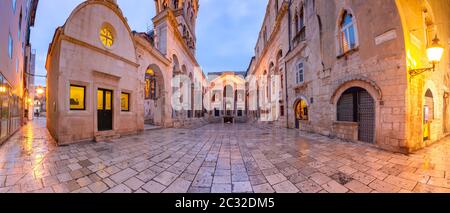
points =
(40, 91)
(434, 54)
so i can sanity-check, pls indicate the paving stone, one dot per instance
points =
(358, 187)
(320, 178)
(178, 186)
(400, 182)
(166, 178)
(98, 187)
(223, 179)
(242, 187)
(221, 188)
(84, 181)
(285, 187)
(134, 183)
(119, 189)
(309, 186)
(123, 175)
(334, 187)
(199, 190)
(381, 186)
(153, 187)
(276, 178)
(263, 188)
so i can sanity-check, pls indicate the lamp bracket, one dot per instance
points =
(416, 72)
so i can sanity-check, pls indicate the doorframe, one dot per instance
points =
(114, 91)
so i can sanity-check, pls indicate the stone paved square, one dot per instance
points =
(235, 158)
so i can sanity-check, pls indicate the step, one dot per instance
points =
(106, 136)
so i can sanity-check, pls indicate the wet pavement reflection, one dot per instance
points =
(217, 158)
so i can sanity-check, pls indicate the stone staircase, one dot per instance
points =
(106, 136)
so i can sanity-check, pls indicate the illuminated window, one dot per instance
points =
(77, 97)
(150, 85)
(125, 102)
(348, 39)
(107, 37)
(301, 110)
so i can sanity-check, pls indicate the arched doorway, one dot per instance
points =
(154, 96)
(301, 112)
(357, 105)
(428, 115)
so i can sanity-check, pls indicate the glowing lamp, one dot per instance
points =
(434, 54)
(435, 51)
(40, 91)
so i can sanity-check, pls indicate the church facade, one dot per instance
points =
(106, 80)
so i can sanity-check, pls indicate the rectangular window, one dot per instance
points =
(300, 73)
(125, 102)
(14, 5)
(77, 97)
(10, 46)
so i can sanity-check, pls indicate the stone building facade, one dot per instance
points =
(16, 60)
(226, 97)
(105, 80)
(351, 68)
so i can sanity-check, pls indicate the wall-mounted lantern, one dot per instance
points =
(434, 54)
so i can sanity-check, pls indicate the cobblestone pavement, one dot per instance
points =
(216, 158)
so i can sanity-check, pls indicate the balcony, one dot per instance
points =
(300, 36)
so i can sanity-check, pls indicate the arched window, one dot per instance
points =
(429, 106)
(301, 110)
(347, 34)
(150, 84)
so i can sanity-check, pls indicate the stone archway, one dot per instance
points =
(361, 99)
(301, 111)
(155, 98)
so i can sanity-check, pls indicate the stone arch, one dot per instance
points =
(368, 86)
(175, 64)
(158, 115)
(301, 97)
(301, 109)
(431, 87)
(356, 81)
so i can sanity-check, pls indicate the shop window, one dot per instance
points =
(77, 97)
(125, 102)
(150, 85)
(301, 111)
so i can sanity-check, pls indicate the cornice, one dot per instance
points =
(97, 49)
(278, 20)
(150, 49)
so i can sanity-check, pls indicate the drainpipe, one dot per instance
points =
(285, 64)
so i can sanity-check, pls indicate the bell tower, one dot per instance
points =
(183, 14)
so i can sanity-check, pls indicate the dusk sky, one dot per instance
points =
(226, 29)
